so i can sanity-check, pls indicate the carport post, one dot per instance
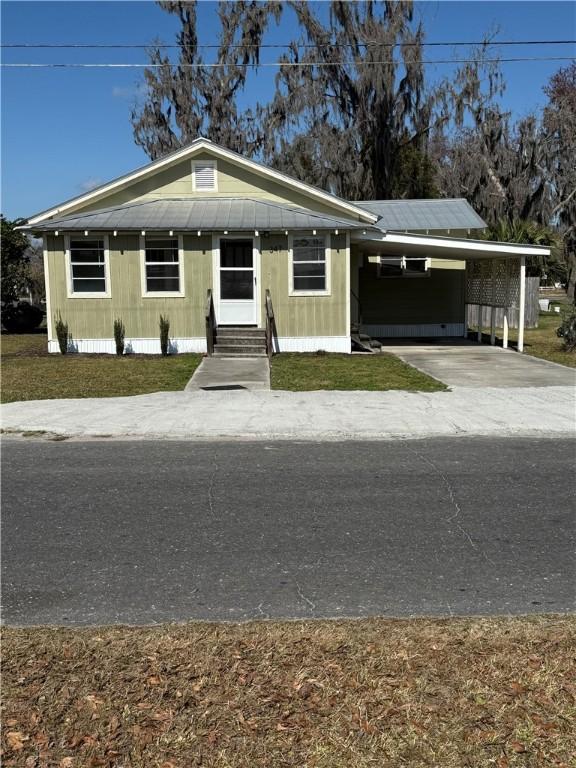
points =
(521, 302)
(493, 308)
(480, 312)
(505, 331)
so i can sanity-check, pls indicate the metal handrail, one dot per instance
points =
(210, 322)
(269, 324)
(359, 306)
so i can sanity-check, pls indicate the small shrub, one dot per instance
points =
(567, 331)
(119, 336)
(164, 335)
(22, 317)
(62, 333)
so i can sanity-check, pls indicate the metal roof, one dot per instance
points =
(202, 214)
(424, 215)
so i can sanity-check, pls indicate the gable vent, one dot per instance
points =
(204, 176)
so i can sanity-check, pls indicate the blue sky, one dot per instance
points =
(65, 130)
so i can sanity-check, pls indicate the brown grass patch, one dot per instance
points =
(450, 693)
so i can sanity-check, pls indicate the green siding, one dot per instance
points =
(304, 315)
(233, 181)
(435, 299)
(94, 318)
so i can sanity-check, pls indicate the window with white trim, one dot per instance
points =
(403, 266)
(309, 270)
(87, 265)
(204, 178)
(162, 265)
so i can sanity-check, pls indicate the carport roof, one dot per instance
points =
(458, 249)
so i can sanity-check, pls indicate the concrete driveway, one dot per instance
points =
(467, 364)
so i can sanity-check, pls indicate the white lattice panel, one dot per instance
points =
(493, 282)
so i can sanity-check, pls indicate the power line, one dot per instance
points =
(288, 45)
(283, 63)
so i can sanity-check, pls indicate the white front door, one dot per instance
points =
(237, 282)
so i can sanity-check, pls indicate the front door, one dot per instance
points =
(237, 297)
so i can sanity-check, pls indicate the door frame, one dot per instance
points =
(216, 239)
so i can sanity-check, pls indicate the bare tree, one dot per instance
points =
(354, 111)
(189, 99)
(559, 121)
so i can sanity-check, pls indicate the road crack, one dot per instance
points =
(454, 518)
(303, 596)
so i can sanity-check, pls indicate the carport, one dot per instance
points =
(495, 272)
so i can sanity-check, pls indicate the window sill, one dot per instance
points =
(89, 296)
(309, 293)
(164, 295)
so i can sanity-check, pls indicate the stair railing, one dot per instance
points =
(357, 298)
(210, 322)
(269, 324)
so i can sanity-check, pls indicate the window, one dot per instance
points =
(309, 265)
(403, 266)
(204, 178)
(162, 266)
(88, 267)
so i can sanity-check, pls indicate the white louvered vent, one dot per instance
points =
(204, 176)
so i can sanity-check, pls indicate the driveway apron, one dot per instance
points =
(475, 365)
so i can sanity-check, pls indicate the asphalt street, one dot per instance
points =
(139, 532)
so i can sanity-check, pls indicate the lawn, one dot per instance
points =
(327, 694)
(309, 371)
(30, 373)
(542, 341)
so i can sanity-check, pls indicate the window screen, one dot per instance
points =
(87, 264)
(162, 265)
(309, 264)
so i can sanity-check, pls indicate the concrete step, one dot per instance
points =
(240, 330)
(240, 341)
(238, 354)
(240, 349)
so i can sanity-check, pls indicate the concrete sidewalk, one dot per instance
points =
(303, 415)
(228, 373)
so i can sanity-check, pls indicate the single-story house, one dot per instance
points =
(217, 242)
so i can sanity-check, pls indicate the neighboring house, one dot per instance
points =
(204, 219)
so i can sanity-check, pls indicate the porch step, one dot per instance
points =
(241, 331)
(239, 349)
(362, 342)
(240, 341)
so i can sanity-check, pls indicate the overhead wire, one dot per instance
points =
(209, 65)
(297, 45)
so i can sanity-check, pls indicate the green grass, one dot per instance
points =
(30, 373)
(542, 341)
(309, 371)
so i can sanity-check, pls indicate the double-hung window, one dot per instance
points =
(309, 267)
(162, 268)
(88, 267)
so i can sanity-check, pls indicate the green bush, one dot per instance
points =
(119, 336)
(62, 333)
(567, 331)
(164, 335)
(22, 317)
